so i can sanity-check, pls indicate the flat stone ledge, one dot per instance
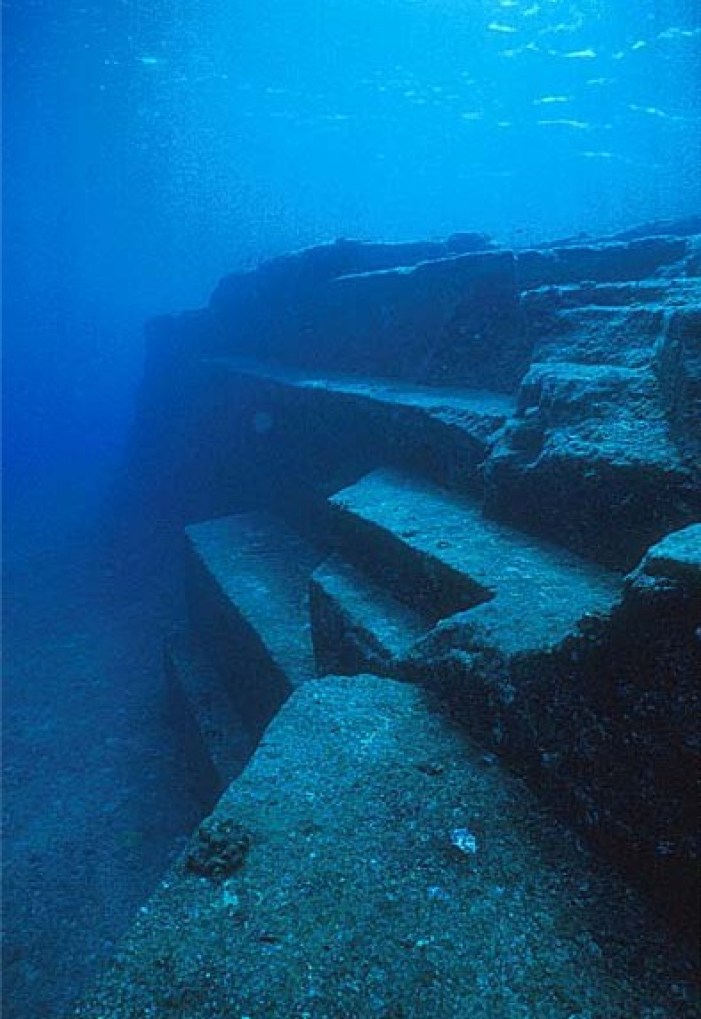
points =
(247, 586)
(371, 863)
(216, 742)
(443, 545)
(357, 626)
(676, 557)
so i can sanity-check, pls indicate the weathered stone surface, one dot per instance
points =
(423, 312)
(601, 262)
(675, 562)
(311, 266)
(291, 310)
(358, 626)
(677, 365)
(452, 322)
(438, 553)
(605, 722)
(433, 315)
(247, 584)
(389, 870)
(688, 226)
(321, 431)
(600, 454)
(215, 741)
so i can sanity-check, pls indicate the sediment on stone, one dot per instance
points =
(356, 624)
(247, 586)
(215, 741)
(379, 864)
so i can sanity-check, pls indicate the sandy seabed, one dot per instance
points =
(96, 795)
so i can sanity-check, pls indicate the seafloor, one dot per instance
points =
(97, 799)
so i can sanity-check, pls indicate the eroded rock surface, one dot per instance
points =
(394, 872)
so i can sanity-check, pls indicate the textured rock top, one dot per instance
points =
(396, 872)
(675, 559)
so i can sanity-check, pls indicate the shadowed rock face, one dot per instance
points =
(605, 720)
(602, 450)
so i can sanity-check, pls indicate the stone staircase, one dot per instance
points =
(439, 553)
(467, 531)
(521, 639)
(401, 562)
(473, 540)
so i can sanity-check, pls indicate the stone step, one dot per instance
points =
(601, 261)
(438, 553)
(652, 293)
(314, 424)
(247, 585)
(605, 723)
(357, 626)
(216, 742)
(372, 862)
(602, 457)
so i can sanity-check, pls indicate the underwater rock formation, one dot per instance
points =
(390, 869)
(590, 355)
(479, 472)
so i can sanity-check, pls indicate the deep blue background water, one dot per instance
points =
(151, 147)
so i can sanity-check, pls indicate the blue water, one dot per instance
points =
(152, 147)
